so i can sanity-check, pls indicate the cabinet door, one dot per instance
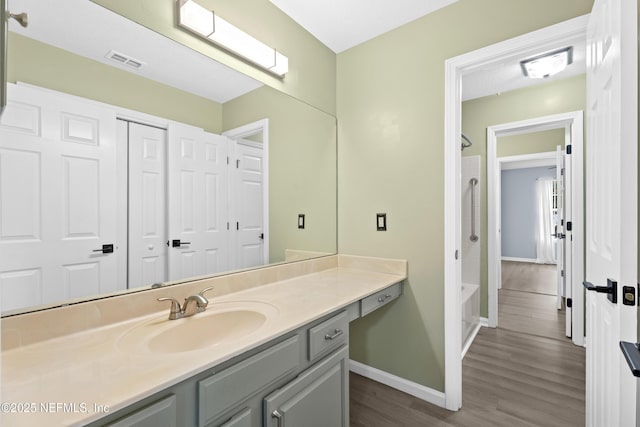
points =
(318, 397)
(159, 414)
(243, 419)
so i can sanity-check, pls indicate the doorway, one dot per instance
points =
(455, 68)
(570, 224)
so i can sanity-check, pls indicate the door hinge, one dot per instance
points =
(562, 171)
(227, 159)
(569, 303)
(227, 225)
(237, 225)
(569, 149)
(569, 225)
(561, 273)
(238, 164)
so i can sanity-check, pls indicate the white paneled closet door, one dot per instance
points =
(147, 204)
(57, 193)
(197, 177)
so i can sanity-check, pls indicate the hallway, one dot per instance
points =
(511, 377)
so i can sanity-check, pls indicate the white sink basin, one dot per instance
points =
(219, 324)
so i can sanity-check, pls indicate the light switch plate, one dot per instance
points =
(300, 221)
(381, 222)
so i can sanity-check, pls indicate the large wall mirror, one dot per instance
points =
(128, 160)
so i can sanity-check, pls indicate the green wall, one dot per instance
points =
(302, 169)
(391, 159)
(312, 66)
(30, 61)
(528, 143)
(555, 97)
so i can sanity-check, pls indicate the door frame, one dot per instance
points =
(242, 132)
(572, 123)
(454, 69)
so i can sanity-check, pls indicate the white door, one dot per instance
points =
(57, 199)
(197, 177)
(249, 193)
(559, 230)
(611, 215)
(147, 205)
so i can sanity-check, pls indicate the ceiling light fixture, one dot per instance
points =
(547, 64)
(206, 24)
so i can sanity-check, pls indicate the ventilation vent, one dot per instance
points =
(121, 58)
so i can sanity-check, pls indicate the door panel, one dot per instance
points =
(197, 174)
(64, 209)
(147, 205)
(249, 190)
(611, 226)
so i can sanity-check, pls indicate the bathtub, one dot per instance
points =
(470, 314)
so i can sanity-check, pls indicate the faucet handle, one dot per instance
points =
(176, 310)
(201, 293)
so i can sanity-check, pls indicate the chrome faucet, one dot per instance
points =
(192, 305)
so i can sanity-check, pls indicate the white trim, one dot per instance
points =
(245, 131)
(515, 259)
(528, 160)
(572, 122)
(454, 68)
(484, 322)
(421, 392)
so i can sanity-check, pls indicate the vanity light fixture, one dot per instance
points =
(206, 24)
(547, 64)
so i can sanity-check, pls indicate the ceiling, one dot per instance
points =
(342, 24)
(89, 30)
(506, 74)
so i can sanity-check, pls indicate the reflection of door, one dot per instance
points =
(57, 187)
(611, 229)
(147, 231)
(197, 178)
(248, 188)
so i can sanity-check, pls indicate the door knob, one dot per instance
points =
(106, 249)
(611, 289)
(176, 243)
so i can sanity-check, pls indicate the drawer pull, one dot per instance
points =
(384, 298)
(278, 416)
(336, 333)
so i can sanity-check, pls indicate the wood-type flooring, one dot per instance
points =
(524, 373)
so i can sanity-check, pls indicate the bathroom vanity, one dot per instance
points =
(272, 354)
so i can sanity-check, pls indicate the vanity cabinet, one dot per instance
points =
(317, 398)
(298, 379)
(159, 414)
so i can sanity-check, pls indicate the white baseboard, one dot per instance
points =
(421, 392)
(484, 322)
(509, 258)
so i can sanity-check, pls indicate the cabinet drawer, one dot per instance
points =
(161, 413)
(377, 300)
(328, 335)
(228, 388)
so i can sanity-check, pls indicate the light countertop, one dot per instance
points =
(69, 379)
